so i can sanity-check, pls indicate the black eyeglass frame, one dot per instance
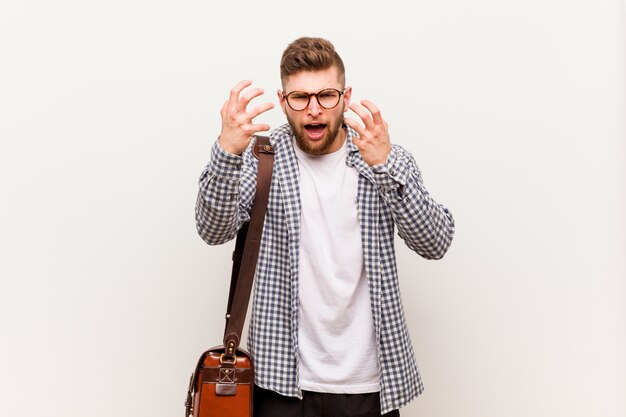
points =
(309, 95)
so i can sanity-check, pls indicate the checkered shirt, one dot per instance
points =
(389, 196)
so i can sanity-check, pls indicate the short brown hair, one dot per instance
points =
(310, 54)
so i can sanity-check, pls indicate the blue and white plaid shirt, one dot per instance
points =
(388, 194)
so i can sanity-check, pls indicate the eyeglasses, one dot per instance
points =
(328, 99)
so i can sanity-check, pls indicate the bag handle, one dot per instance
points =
(247, 249)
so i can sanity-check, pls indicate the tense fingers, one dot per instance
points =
(362, 113)
(237, 89)
(355, 125)
(368, 112)
(237, 121)
(373, 142)
(259, 110)
(375, 111)
(248, 96)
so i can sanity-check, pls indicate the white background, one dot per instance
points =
(513, 109)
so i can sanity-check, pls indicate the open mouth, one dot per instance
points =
(315, 130)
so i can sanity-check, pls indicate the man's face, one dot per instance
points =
(317, 130)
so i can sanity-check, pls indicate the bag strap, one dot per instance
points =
(247, 249)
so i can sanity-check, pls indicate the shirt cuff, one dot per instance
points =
(393, 174)
(225, 165)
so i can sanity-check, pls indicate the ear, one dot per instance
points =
(347, 95)
(282, 101)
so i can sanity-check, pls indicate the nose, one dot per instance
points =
(314, 107)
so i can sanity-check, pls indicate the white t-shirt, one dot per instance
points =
(337, 343)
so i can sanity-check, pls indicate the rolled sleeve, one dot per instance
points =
(224, 165)
(392, 176)
(426, 226)
(217, 216)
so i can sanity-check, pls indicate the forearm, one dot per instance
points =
(426, 226)
(222, 204)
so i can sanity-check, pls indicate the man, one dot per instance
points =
(327, 332)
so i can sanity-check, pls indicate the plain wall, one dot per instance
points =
(514, 111)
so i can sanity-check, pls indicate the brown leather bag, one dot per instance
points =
(222, 383)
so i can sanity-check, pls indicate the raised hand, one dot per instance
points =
(373, 142)
(237, 126)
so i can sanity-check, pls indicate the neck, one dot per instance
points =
(339, 140)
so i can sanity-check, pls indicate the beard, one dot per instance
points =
(321, 146)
